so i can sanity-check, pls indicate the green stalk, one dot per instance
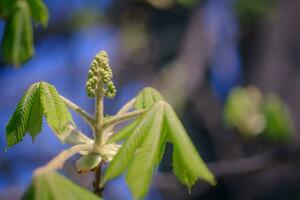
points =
(122, 117)
(86, 117)
(99, 118)
(99, 115)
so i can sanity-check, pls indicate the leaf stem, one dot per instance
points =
(122, 117)
(58, 161)
(126, 107)
(87, 117)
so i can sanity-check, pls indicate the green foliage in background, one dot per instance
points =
(167, 4)
(249, 11)
(17, 42)
(279, 125)
(253, 114)
(136, 150)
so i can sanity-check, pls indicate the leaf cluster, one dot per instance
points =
(253, 114)
(17, 42)
(41, 99)
(143, 147)
(136, 150)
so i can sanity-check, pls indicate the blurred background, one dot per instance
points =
(195, 52)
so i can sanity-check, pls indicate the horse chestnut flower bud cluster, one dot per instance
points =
(100, 77)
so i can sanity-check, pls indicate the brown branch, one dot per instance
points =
(97, 182)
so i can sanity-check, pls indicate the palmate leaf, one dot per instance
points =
(125, 154)
(146, 98)
(124, 132)
(52, 185)
(35, 120)
(17, 43)
(18, 124)
(55, 110)
(142, 151)
(187, 163)
(144, 162)
(39, 100)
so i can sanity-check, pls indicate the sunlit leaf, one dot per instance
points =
(36, 115)
(41, 99)
(187, 163)
(143, 149)
(181, 171)
(144, 162)
(55, 110)
(126, 153)
(146, 98)
(124, 132)
(53, 186)
(18, 123)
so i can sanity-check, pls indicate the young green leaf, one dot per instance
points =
(187, 163)
(55, 110)
(162, 145)
(144, 162)
(124, 132)
(52, 185)
(17, 43)
(143, 149)
(39, 11)
(146, 98)
(181, 171)
(41, 99)
(35, 120)
(126, 153)
(18, 123)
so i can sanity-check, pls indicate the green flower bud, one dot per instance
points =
(100, 75)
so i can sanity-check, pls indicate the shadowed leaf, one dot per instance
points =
(17, 43)
(53, 186)
(39, 11)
